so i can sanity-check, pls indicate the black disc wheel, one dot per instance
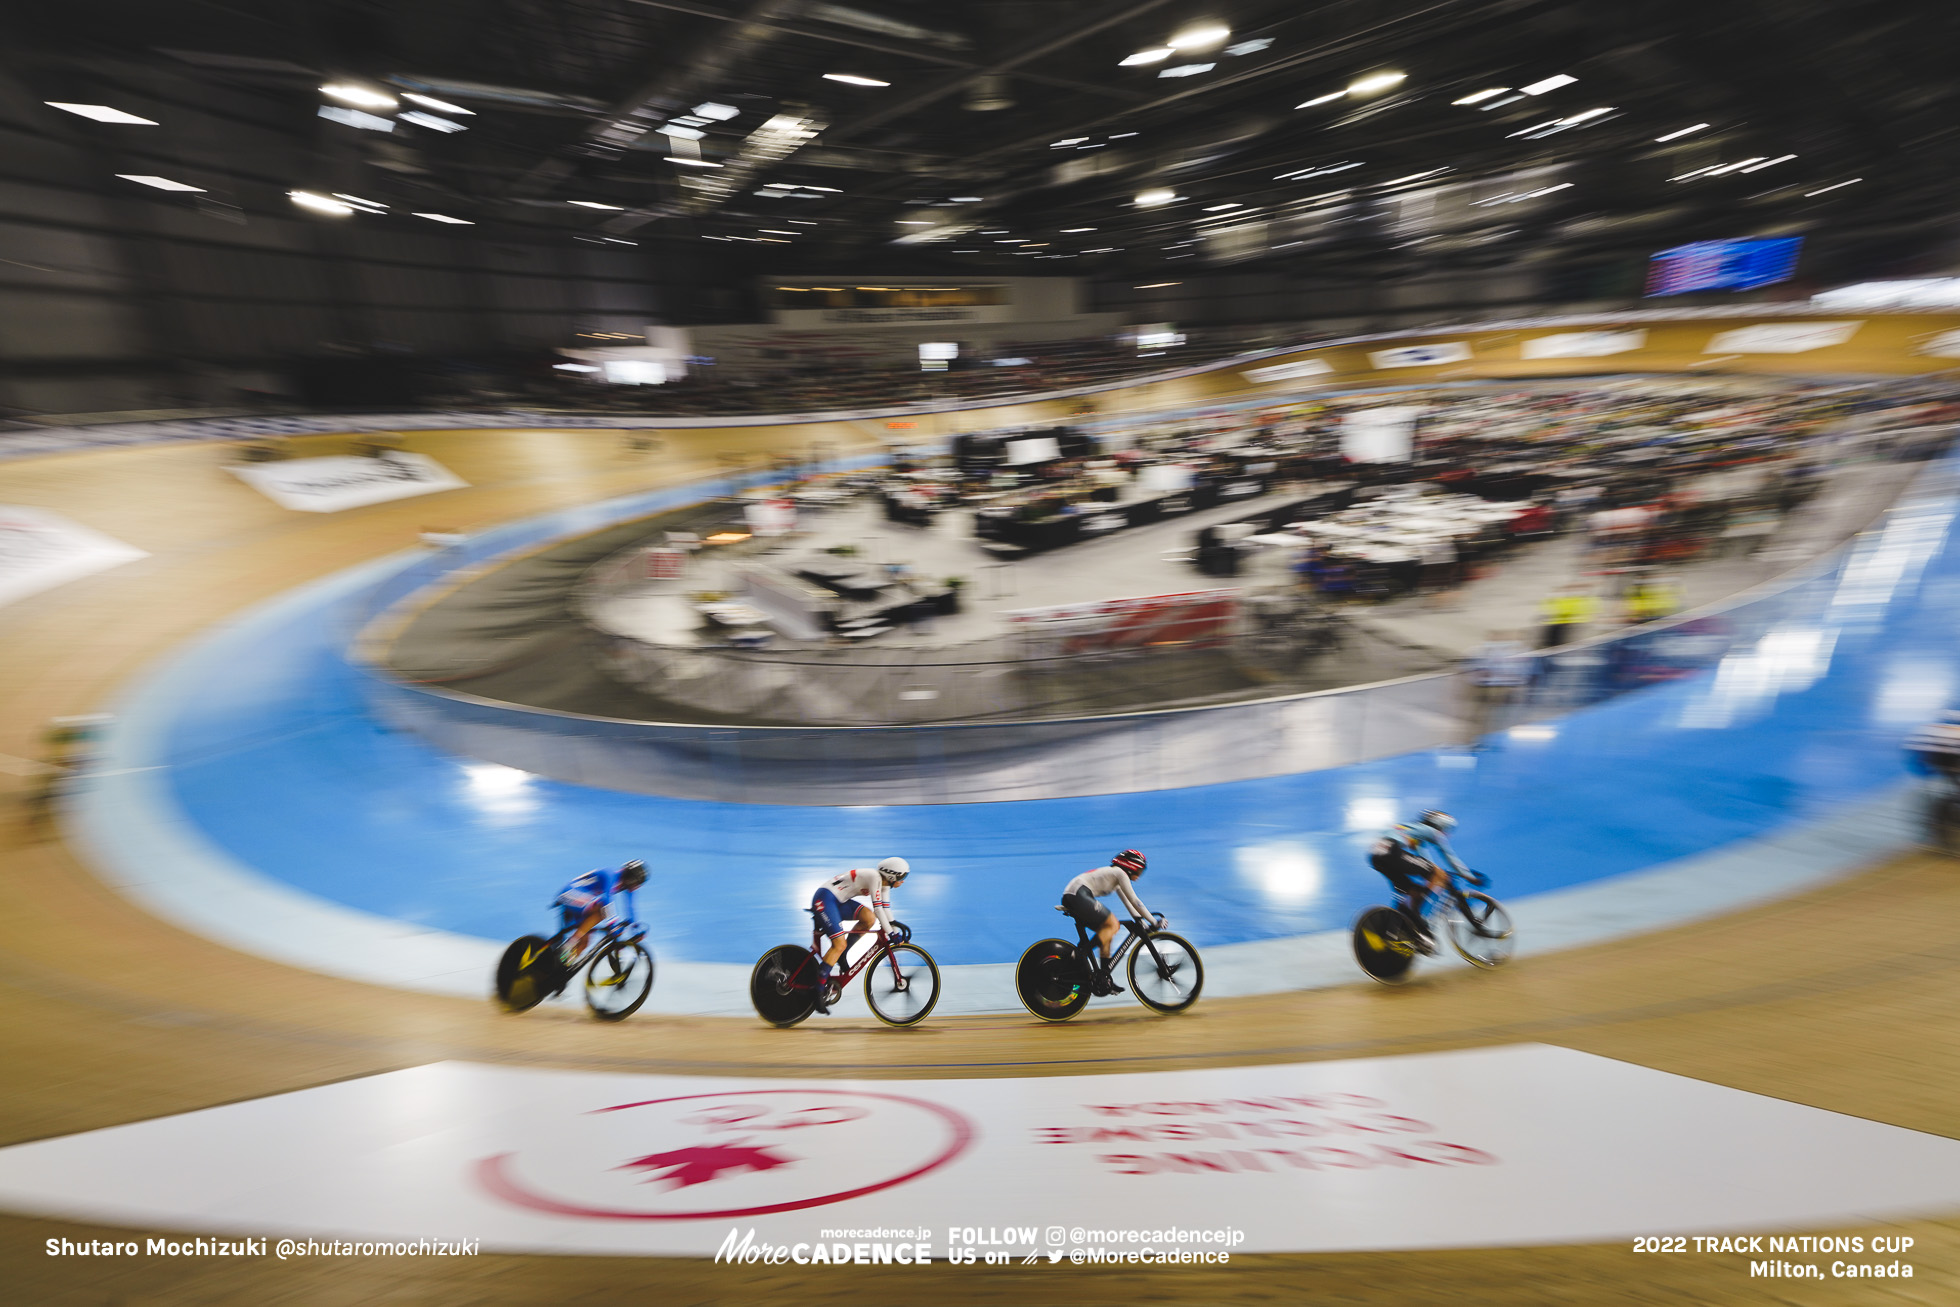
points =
(1050, 981)
(1483, 935)
(902, 986)
(618, 981)
(523, 978)
(1385, 945)
(783, 985)
(1166, 974)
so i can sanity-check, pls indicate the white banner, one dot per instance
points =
(40, 550)
(1946, 345)
(1288, 371)
(1380, 435)
(1422, 356)
(1781, 338)
(1490, 1147)
(328, 485)
(1583, 344)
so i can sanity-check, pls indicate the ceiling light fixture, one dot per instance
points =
(1249, 47)
(691, 163)
(1768, 163)
(968, 199)
(430, 102)
(1187, 70)
(443, 217)
(1328, 98)
(1142, 57)
(1478, 97)
(1839, 186)
(1220, 208)
(594, 204)
(1073, 140)
(1071, 231)
(718, 112)
(361, 97)
(161, 183)
(366, 122)
(432, 122)
(852, 79)
(102, 113)
(1376, 82)
(1551, 83)
(371, 206)
(1672, 136)
(1155, 196)
(320, 203)
(1201, 36)
(685, 133)
(1158, 285)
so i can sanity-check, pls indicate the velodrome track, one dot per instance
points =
(1840, 998)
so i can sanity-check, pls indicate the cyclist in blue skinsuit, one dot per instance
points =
(582, 904)
(1398, 855)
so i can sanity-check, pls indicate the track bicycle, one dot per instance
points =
(901, 982)
(617, 966)
(1387, 942)
(1056, 979)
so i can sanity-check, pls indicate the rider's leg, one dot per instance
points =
(1106, 935)
(584, 930)
(836, 950)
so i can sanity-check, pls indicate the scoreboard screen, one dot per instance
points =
(1722, 265)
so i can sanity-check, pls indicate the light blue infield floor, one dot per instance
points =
(248, 795)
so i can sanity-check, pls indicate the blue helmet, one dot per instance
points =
(1438, 821)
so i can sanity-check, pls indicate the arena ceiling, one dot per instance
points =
(1033, 136)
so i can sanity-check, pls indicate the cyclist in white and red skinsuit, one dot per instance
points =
(1079, 900)
(828, 903)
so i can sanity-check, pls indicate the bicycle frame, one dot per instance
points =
(595, 944)
(1084, 941)
(1453, 888)
(882, 949)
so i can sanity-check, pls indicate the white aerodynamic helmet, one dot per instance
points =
(894, 870)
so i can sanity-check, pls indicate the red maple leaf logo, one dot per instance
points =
(704, 1162)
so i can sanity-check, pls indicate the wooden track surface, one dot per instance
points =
(1843, 998)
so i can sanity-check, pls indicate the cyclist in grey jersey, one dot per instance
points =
(1079, 899)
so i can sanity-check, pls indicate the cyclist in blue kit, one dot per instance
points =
(1399, 855)
(583, 904)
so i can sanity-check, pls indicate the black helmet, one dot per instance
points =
(632, 874)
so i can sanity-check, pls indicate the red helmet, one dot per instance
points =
(1129, 860)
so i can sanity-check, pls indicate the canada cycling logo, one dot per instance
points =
(721, 1156)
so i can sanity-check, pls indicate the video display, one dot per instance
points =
(1722, 265)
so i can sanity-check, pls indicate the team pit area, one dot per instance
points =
(1204, 557)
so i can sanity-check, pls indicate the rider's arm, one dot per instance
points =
(1129, 896)
(1442, 844)
(881, 902)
